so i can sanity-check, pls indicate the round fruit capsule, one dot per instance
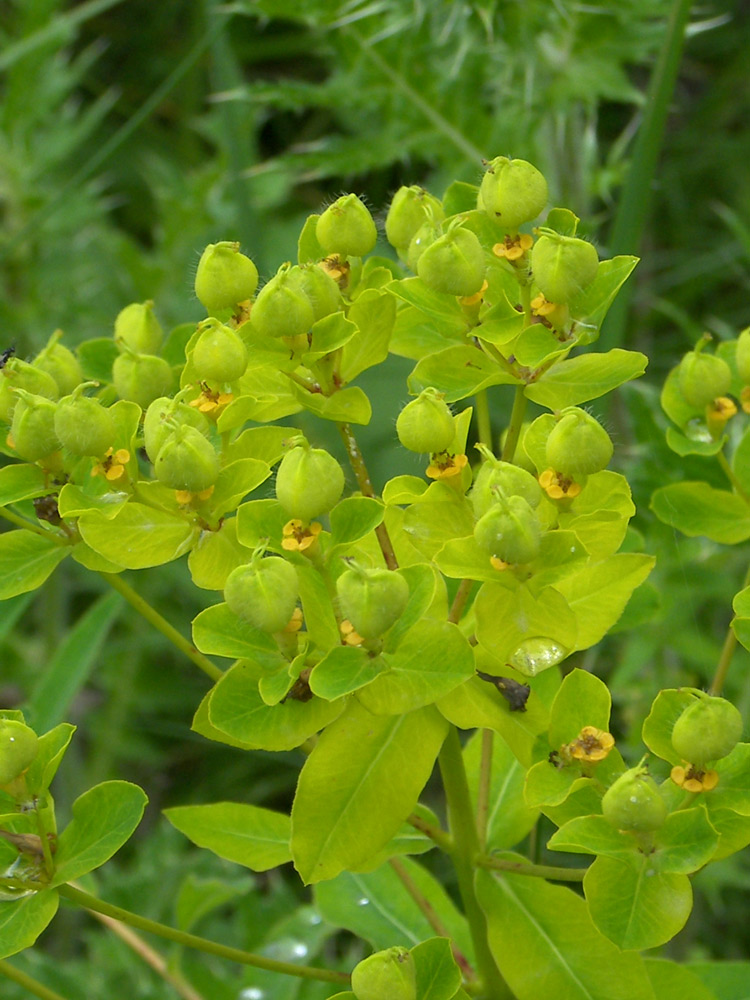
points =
(703, 378)
(264, 593)
(17, 374)
(33, 427)
(708, 729)
(187, 461)
(225, 277)
(137, 329)
(578, 445)
(633, 802)
(386, 975)
(372, 599)
(454, 264)
(426, 424)
(512, 192)
(503, 478)
(743, 356)
(161, 418)
(346, 227)
(141, 378)
(83, 425)
(19, 746)
(309, 482)
(60, 362)
(323, 293)
(563, 266)
(281, 309)
(424, 237)
(219, 353)
(509, 531)
(411, 208)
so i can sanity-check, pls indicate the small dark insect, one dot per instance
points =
(514, 693)
(6, 355)
(555, 760)
(300, 690)
(46, 508)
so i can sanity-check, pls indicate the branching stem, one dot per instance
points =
(357, 462)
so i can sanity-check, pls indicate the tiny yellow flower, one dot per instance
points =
(444, 465)
(498, 564)
(337, 268)
(719, 413)
(295, 622)
(297, 536)
(211, 402)
(470, 300)
(557, 486)
(349, 636)
(745, 399)
(185, 497)
(541, 306)
(513, 247)
(112, 465)
(591, 745)
(691, 779)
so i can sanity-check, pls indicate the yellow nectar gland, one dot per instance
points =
(718, 413)
(691, 779)
(349, 636)
(557, 486)
(590, 746)
(112, 466)
(444, 465)
(498, 563)
(336, 267)
(297, 536)
(185, 497)
(514, 247)
(211, 402)
(295, 622)
(470, 300)
(745, 399)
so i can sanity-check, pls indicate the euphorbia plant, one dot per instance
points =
(380, 635)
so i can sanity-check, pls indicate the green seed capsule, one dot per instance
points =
(60, 363)
(708, 729)
(563, 266)
(509, 531)
(225, 277)
(424, 237)
(411, 208)
(743, 356)
(18, 374)
(309, 482)
(578, 445)
(19, 746)
(346, 227)
(33, 427)
(263, 593)
(633, 803)
(137, 329)
(512, 192)
(703, 378)
(426, 424)
(163, 416)
(219, 353)
(83, 425)
(281, 309)
(454, 264)
(372, 599)
(386, 975)
(505, 479)
(141, 378)
(322, 292)
(187, 461)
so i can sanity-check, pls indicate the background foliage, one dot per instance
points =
(131, 135)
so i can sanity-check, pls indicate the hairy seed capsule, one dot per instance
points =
(372, 599)
(578, 445)
(19, 746)
(18, 374)
(225, 277)
(309, 482)
(411, 208)
(512, 192)
(563, 266)
(703, 378)
(33, 427)
(454, 264)
(141, 378)
(346, 227)
(187, 461)
(386, 975)
(263, 593)
(137, 329)
(426, 424)
(219, 353)
(509, 530)
(633, 803)
(281, 309)
(60, 362)
(163, 416)
(496, 477)
(322, 292)
(83, 425)
(708, 729)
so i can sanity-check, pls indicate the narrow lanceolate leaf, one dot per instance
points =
(23, 920)
(104, 817)
(249, 835)
(358, 785)
(26, 560)
(546, 945)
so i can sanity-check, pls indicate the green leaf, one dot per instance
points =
(633, 904)
(374, 313)
(74, 659)
(438, 516)
(582, 700)
(686, 842)
(728, 980)
(353, 518)
(104, 818)
(235, 481)
(345, 669)
(432, 659)
(97, 357)
(548, 785)
(349, 405)
(23, 920)
(599, 515)
(598, 593)
(217, 631)
(678, 982)
(22, 482)
(562, 220)
(674, 403)
(423, 584)
(546, 945)
(509, 819)
(317, 606)
(138, 536)
(696, 508)
(588, 376)
(408, 840)
(216, 554)
(360, 782)
(237, 709)
(416, 335)
(261, 519)
(98, 496)
(308, 248)
(26, 560)
(378, 908)
(266, 444)
(502, 323)
(443, 309)
(202, 725)
(666, 709)
(593, 835)
(438, 976)
(682, 445)
(460, 197)
(459, 371)
(595, 301)
(248, 835)
(327, 335)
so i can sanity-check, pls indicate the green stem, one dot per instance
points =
(484, 424)
(525, 291)
(536, 871)
(485, 781)
(84, 899)
(21, 522)
(443, 840)
(516, 423)
(729, 473)
(169, 631)
(459, 601)
(634, 204)
(725, 660)
(466, 847)
(24, 980)
(364, 482)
